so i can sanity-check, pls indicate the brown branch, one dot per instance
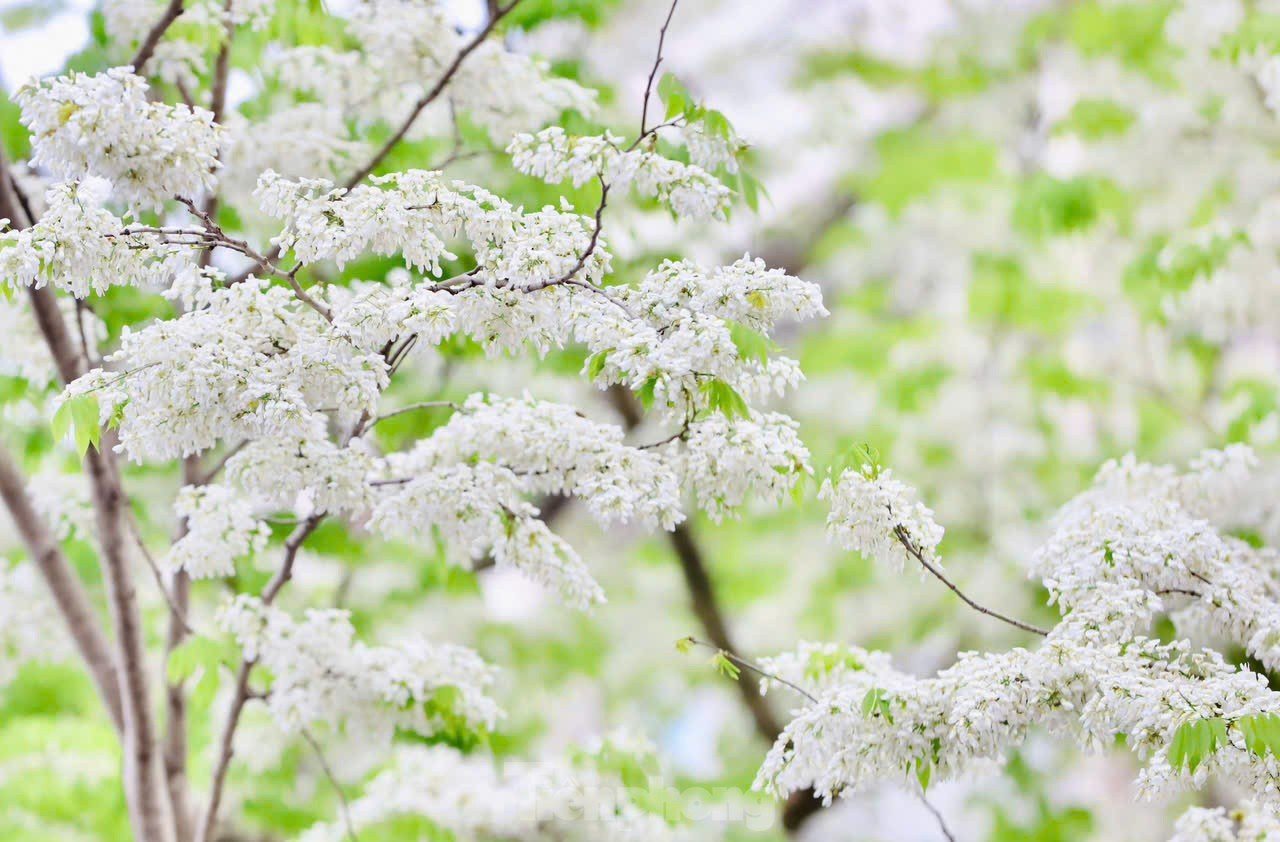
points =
(148, 48)
(431, 95)
(653, 71)
(141, 780)
(333, 781)
(68, 591)
(942, 822)
(568, 277)
(938, 574)
(241, 694)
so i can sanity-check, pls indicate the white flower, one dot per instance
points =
(221, 528)
(104, 125)
(874, 514)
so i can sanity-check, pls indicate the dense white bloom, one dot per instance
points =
(306, 474)
(724, 461)
(554, 450)
(323, 674)
(1248, 822)
(104, 125)
(24, 353)
(873, 513)
(417, 213)
(478, 509)
(81, 247)
(221, 528)
(572, 799)
(251, 362)
(552, 155)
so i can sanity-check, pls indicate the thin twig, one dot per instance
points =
(569, 276)
(942, 823)
(653, 71)
(148, 48)
(938, 574)
(328, 773)
(747, 665)
(414, 407)
(431, 95)
(177, 613)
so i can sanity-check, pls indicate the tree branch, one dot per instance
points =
(68, 592)
(431, 95)
(938, 574)
(241, 694)
(140, 771)
(653, 71)
(148, 47)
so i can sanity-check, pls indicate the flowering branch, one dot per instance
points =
(431, 95)
(171, 13)
(910, 547)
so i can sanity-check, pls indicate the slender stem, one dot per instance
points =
(653, 71)
(65, 585)
(942, 822)
(938, 574)
(414, 407)
(748, 665)
(431, 95)
(241, 694)
(149, 43)
(587, 252)
(333, 781)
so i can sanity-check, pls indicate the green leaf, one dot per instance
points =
(876, 703)
(1193, 742)
(751, 344)
(676, 96)
(646, 393)
(1261, 733)
(79, 416)
(596, 363)
(723, 398)
(725, 666)
(685, 645)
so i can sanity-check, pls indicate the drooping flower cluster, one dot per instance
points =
(251, 362)
(417, 213)
(879, 516)
(1249, 822)
(552, 155)
(81, 247)
(322, 674)
(104, 125)
(1131, 546)
(221, 528)
(727, 461)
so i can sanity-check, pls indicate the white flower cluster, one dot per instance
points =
(1248, 822)
(726, 460)
(554, 450)
(416, 213)
(874, 514)
(104, 125)
(687, 189)
(250, 362)
(479, 509)
(304, 474)
(569, 800)
(221, 528)
(683, 344)
(1149, 533)
(323, 674)
(32, 625)
(411, 44)
(1120, 552)
(81, 247)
